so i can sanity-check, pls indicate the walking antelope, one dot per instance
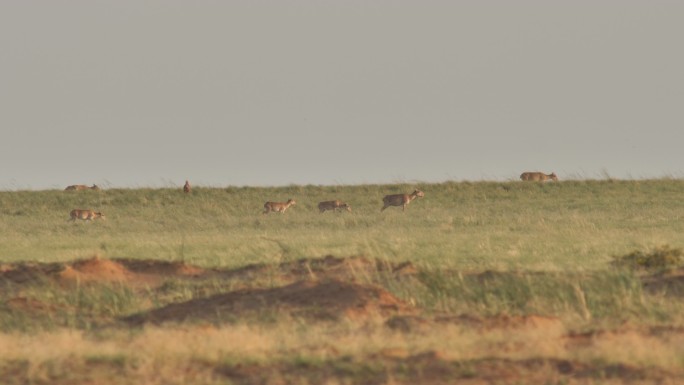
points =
(333, 205)
(79, 187)
(538, 176)
(186, 187)
(401, 199)
(278, 206)
(85, 215)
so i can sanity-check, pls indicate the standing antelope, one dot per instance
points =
(278, 206)
(333, 205)
(79, 187)
(538, 176)
(85, 215)
(400, 199)
(186, 187)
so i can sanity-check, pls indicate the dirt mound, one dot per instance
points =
(137, 272)
(22, 273)
(99, 270)
(330, 299)
(95, 270)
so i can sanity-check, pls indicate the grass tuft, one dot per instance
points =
(659, 258)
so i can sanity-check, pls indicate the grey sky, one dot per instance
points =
(147, 93)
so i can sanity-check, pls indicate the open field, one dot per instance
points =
(500, 283)
(552, 226)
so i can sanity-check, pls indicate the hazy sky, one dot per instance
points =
(131, 93)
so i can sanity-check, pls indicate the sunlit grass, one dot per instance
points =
(552, 226)
(482, 249)
(193, 354)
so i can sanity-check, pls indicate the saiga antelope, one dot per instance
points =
(278, 206)
(538, 176)
(85, 215)
(79, 187)
(401, 199)
(333, 205)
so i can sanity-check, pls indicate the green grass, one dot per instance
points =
(482, 249)
(551, 247)
(607, 295)
(82, 307)
(484, 225)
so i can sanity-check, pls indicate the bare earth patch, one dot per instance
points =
(137, 272)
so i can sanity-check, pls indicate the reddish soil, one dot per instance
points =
(95, 270)
(137, 272)
(319, 288)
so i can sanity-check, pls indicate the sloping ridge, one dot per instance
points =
(330, 299)
(100, 270)
(132, 271)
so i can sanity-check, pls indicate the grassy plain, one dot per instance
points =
(573, 225)
(510, 283)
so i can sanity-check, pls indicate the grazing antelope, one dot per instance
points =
(401, 199)
(538, 176)
(278, 206)
(86, 215)
(79, 187)
(186, 188)
(333, 205)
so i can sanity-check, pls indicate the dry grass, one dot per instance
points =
(275, 340)
(189, 353)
